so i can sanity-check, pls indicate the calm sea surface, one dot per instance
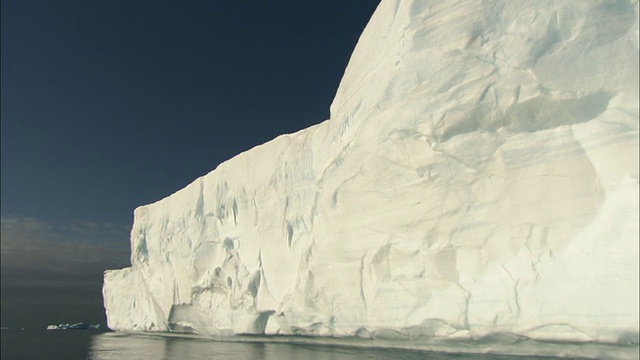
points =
(87, 344)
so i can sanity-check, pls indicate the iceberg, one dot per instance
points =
(478, 177)
(76, 326)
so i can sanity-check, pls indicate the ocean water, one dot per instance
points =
(87, 344)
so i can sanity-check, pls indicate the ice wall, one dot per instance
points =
(478, 175)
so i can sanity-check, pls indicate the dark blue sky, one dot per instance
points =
(109, 105)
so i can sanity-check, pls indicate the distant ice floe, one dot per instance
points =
(76, 326)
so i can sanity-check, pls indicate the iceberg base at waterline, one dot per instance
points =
(496, 344)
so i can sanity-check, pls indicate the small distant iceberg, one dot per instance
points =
(77, 326)
(6, 328)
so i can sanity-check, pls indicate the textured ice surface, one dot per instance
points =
(478, 176)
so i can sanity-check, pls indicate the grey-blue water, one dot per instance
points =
(80, 344)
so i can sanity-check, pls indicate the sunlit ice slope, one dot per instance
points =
(478, 176)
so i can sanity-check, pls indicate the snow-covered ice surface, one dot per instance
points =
(477, 179)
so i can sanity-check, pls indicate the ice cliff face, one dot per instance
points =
(478, 175)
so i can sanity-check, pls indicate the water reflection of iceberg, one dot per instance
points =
(109, 346)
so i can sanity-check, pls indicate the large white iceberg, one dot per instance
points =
(478, 176)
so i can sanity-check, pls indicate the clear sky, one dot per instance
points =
(109, 105)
